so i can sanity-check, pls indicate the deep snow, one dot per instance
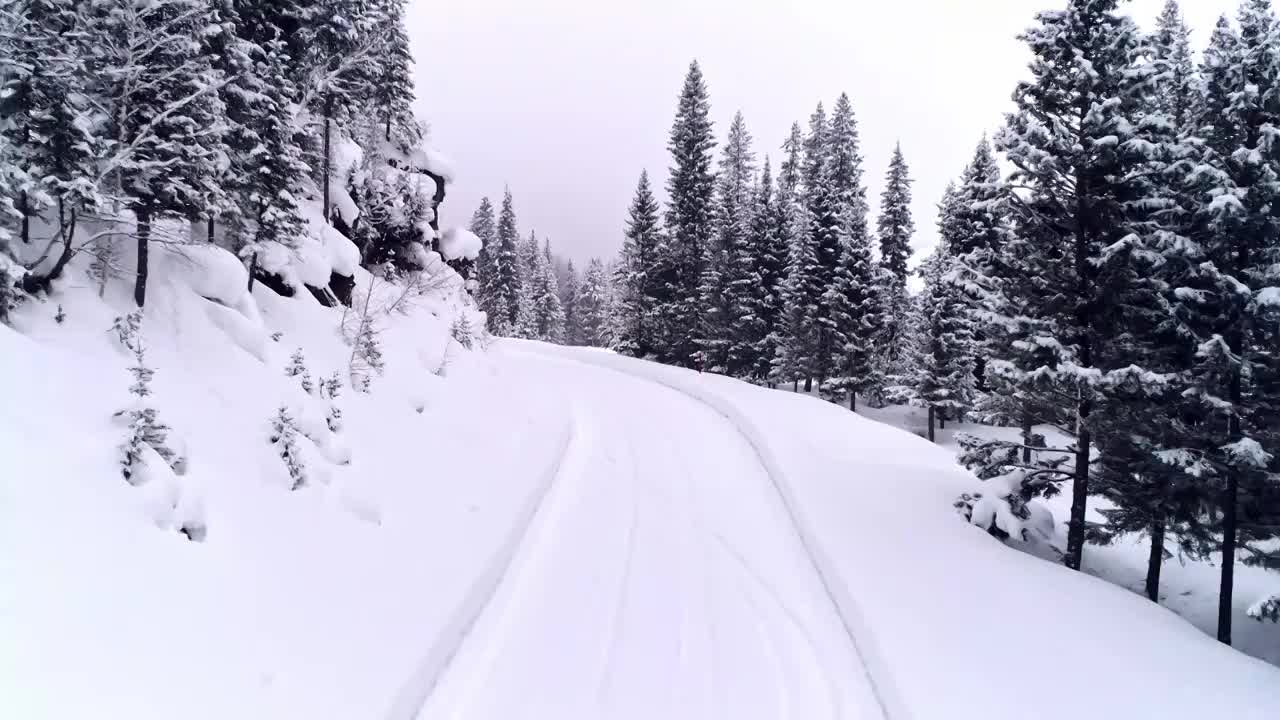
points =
(527, 532)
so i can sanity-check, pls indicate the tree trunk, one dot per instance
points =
(808, 384)
(26, 218)
(144, 235)
(942, 420)
(1079, 491)
(210, 229)
(328, 110)
(853, 400)
(932, 412)
(1156, 559)
(1227, 585)
(1026, 437)
(795, 385)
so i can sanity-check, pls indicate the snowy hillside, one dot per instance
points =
(526, 532)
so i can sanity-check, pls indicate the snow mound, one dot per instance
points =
(460, 243)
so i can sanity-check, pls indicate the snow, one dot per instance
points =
(527, 532)
(433, 161)
(459, 243)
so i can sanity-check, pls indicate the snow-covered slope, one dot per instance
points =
(528, 532)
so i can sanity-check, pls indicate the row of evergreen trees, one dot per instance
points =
(1121, 284)
(524, 295)
(220, 113)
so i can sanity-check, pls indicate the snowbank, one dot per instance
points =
(459, 243)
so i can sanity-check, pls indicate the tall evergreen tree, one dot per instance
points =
(529, 291)
(484, 225)
(569, 300)
(975, 231)
(943, 380)
(762, 325)
(507, 280)
(547, 313)
(641, 294)
(594, 305)
(689, 221)
(167, 121)
(895, 227)
(802, 287)
(1068, 142)
(728, 282)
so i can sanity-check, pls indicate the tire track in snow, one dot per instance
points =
(879, 678)
(418, 688)
(624, 584)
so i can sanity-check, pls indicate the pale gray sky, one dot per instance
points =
(567, 100)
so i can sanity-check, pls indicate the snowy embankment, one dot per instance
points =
(313, 602)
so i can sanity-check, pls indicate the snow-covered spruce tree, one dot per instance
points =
(638, 273)
(894, 227)
(484, 225)
(850, 318)
(1068, 141)
(546, 313)
(975, 231)
(47, 152)
(689, 223)
(393, 78)
(1141, 416)
(569, 293)
(593, 305)
(297, 367)
(164, 131)
(823, 345)
(728, 272)
(505, 286)
(144, 426)
(768, 254)
(284, 436)
(800, 289)
(1228, 298)
(526, 320)
(943, 380)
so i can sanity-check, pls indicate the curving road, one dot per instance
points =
(660, 577)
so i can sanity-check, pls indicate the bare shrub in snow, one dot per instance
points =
(284, 436)
(60, 316)
(126, 329)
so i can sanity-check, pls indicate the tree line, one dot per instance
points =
(1120, 284)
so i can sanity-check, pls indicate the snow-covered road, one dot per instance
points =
(661, 576)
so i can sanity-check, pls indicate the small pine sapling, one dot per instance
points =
(298, 368)
(462, 332)
(126, 329)
(284, 435)
(144, 424)
(61, 316)
(330, 388)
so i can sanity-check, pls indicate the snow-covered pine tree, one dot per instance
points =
(768, 254)
(284, 436)
(802, 288)
(530, 275)
(943, 380)
(894, 227)
(593, 305)
(547, 315)
(641, 295)
(46, 152)
(1229, 300)
(1068, 141)
(506, 286)
(569, 300)
(850, 314)
(166, 121)
(392, 83)
(975, 231)
(689, 222)
(729, 271)
(485, 226)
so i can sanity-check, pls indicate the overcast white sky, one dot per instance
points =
(567, 100)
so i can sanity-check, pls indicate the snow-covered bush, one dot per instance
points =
(462, 332)
(1006, 510)
(284, 436)
(298, 368)
(1268, 608)
(330, 388)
